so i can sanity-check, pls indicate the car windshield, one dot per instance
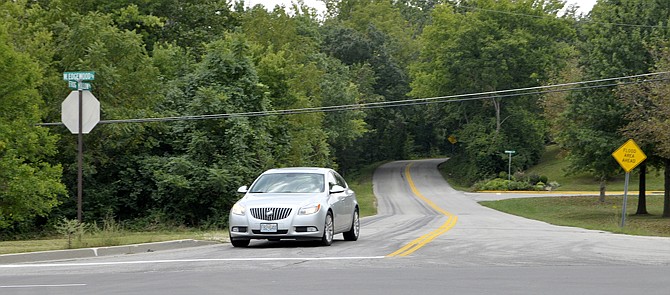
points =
(289, 183)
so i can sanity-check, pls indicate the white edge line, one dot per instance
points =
(43, 286)
(187, 260)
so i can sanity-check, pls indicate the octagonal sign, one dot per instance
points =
(90, 112)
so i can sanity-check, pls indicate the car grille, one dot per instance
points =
(270, 214)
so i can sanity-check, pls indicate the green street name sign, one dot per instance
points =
(79, 76)
(74, 85)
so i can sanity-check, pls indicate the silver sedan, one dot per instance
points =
(295, 203)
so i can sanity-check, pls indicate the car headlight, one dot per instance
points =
(238, 209)
(309, 209)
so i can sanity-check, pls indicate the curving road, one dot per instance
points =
(427, 238)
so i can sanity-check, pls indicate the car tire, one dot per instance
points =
(354, 232)
(238, 242)
(328, 230)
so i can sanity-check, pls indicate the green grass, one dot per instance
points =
(449, 175)
(589, 213)
(554, 165)
(361, 183)
(104, 239)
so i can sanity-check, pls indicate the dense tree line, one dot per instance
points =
(167, 58)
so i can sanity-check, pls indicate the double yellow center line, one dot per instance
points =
(427, 238)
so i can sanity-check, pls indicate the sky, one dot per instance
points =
(585, 5)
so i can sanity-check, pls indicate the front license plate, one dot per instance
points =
(268, 227)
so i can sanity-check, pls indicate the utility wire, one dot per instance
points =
(508, 93)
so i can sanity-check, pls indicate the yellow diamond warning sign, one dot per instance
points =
(629, 155)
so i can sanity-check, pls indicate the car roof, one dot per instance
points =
(298, 170)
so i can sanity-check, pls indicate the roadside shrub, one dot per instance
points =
(553, 185)
(71, 229)
(519, 186)
(519, 176)
(502, 175)
(499, 184)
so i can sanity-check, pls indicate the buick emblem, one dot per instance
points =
(269, 213)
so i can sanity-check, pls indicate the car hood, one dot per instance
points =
(280, 200)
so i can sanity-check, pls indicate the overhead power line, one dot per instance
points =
(508, 93)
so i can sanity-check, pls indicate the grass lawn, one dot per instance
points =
(361, 183)
(553, 165)
(588, 212)
(104, 239)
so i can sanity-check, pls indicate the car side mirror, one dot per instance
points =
(336, 189)
(243, 189)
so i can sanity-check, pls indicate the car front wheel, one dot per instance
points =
(328, 231)
(354, 232)
(238, 242)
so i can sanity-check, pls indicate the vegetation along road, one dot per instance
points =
(199, 97)
(426, 235)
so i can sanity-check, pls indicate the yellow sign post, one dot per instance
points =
(628, 155)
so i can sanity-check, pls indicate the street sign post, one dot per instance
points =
(628, 155)
(72, 106)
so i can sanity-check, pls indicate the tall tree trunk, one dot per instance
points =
(603, 185)
(497, 104)
(666, 194)
(642, 199)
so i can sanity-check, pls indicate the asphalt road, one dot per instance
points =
(426, 239)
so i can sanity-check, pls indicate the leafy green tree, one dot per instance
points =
(615, 42)
(189, 24)
(648, 119)
(485, 47)
(29, 183)
(203, 161)
(299, 76)
(286, 56)
(375, 40)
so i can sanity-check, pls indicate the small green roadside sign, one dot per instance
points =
(79, 76)
(74, 85)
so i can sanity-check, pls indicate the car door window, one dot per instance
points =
(331, 180)
(340, 180)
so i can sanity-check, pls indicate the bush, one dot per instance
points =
(553, 185)
(519, 186)
(71, 229)
(502, 175)
(499, 184)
